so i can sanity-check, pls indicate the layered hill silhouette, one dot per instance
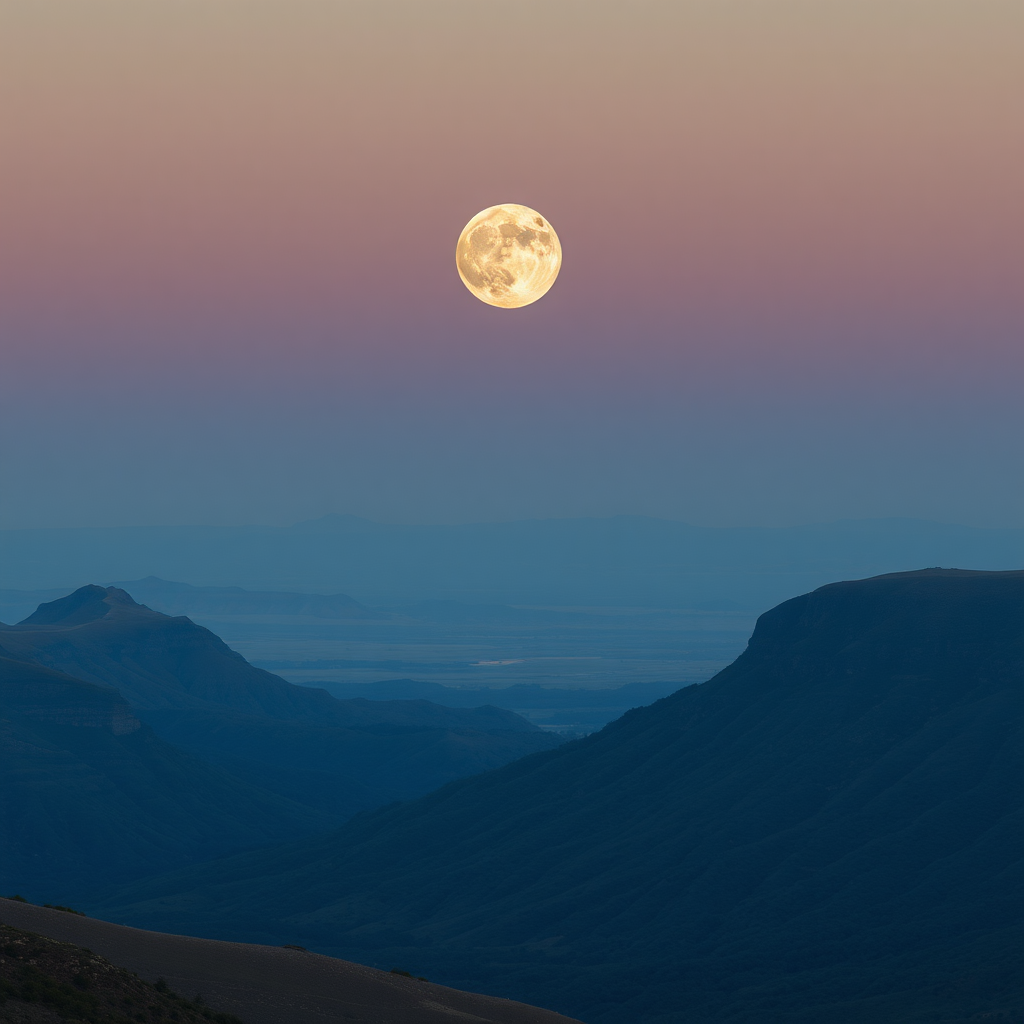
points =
(828, 830)
(153, 741)
(43, 981)
(89, 794)
(138, 973)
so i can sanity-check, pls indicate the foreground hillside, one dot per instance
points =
(43, 981)
(259, 984)
(828, 830)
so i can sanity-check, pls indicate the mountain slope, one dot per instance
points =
(830, 829)
(89, 795)
(101, 635)
(47, 982)
(262, 984)
(336, 756)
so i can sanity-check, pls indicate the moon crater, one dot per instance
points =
(508, 256)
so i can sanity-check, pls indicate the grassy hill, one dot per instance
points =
(42, 981)
(828, 830)
(261, 984)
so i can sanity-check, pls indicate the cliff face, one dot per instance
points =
(102, 635)
(830, 829)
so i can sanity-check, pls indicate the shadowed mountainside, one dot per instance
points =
(830, 829)
(102, 635)
(89, 795)
(239, 758)
(335, 756)
(261, 984)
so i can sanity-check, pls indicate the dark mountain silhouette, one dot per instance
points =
(102, 635)
(828, 830)
(335, 756)
(261, 984)
(16, 604)
(89, 795)
(85, 605)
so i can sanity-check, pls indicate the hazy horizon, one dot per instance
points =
(289, 523)
(620, 561)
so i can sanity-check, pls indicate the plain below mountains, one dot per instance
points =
(828, 830)
(133, 740)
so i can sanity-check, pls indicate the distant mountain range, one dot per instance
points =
(623, 561)
(828, 830)
(132, 741)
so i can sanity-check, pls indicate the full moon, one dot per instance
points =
(508, 256)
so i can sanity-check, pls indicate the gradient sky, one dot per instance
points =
(793, 286)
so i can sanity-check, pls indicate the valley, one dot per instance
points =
(828, 826)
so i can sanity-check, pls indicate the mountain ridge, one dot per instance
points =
(829, 828)
(159, 661)
(114, 717)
